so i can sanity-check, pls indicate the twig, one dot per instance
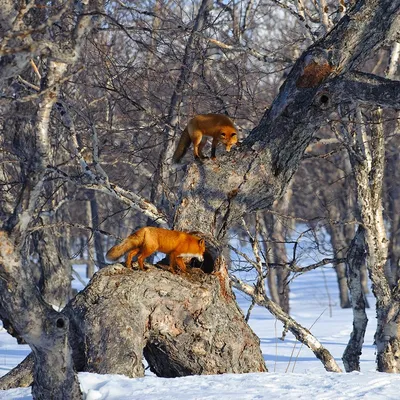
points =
(297, 356)
(35, 68)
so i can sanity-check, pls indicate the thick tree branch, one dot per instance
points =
(363, 88)
(19, 376)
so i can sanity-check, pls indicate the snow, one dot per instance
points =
(295, 373)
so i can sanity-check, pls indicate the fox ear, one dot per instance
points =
(201, 242)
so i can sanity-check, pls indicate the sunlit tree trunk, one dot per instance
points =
(368, 158)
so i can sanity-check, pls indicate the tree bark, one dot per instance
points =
(338, 240)
(280, 235)
(44, 329)
(183, 324)
(275, 252)
(354, 262)
(55, 271)
(266, 222)
(367, 158)
(20, 376)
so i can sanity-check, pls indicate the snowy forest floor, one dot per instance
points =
(294, 371)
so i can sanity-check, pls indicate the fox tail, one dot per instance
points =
(133, 241)
(182, 147)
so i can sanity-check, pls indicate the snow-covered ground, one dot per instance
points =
(295, 373)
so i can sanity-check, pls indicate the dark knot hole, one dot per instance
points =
(60, 323)
(324, 99)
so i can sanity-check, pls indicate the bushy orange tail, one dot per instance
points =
(182, 147)
(131, 242)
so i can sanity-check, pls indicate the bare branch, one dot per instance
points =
(302, 334)
(125, 196)
(325, 261)
(255, 53)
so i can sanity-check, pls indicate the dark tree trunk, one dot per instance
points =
(266, 222)
(280, 257)
(355, 261)
(183, 324)
(272, 285)
(278, 276)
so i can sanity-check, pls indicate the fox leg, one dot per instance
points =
(140, 261)
(181, 264)
(130, 256)
(172, 262)
(146, 252)
(214, 148)
(201, 147)
(197, 137)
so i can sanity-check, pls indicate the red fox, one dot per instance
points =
(218, 126)
(146, 241)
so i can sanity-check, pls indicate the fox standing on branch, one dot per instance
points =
(218, 126)
(146, 241)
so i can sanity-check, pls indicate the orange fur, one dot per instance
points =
(146, 241)
(218, 126)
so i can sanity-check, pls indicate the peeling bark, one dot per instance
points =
(367, 157)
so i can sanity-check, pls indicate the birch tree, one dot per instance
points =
(28, 34)
(367, 156)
